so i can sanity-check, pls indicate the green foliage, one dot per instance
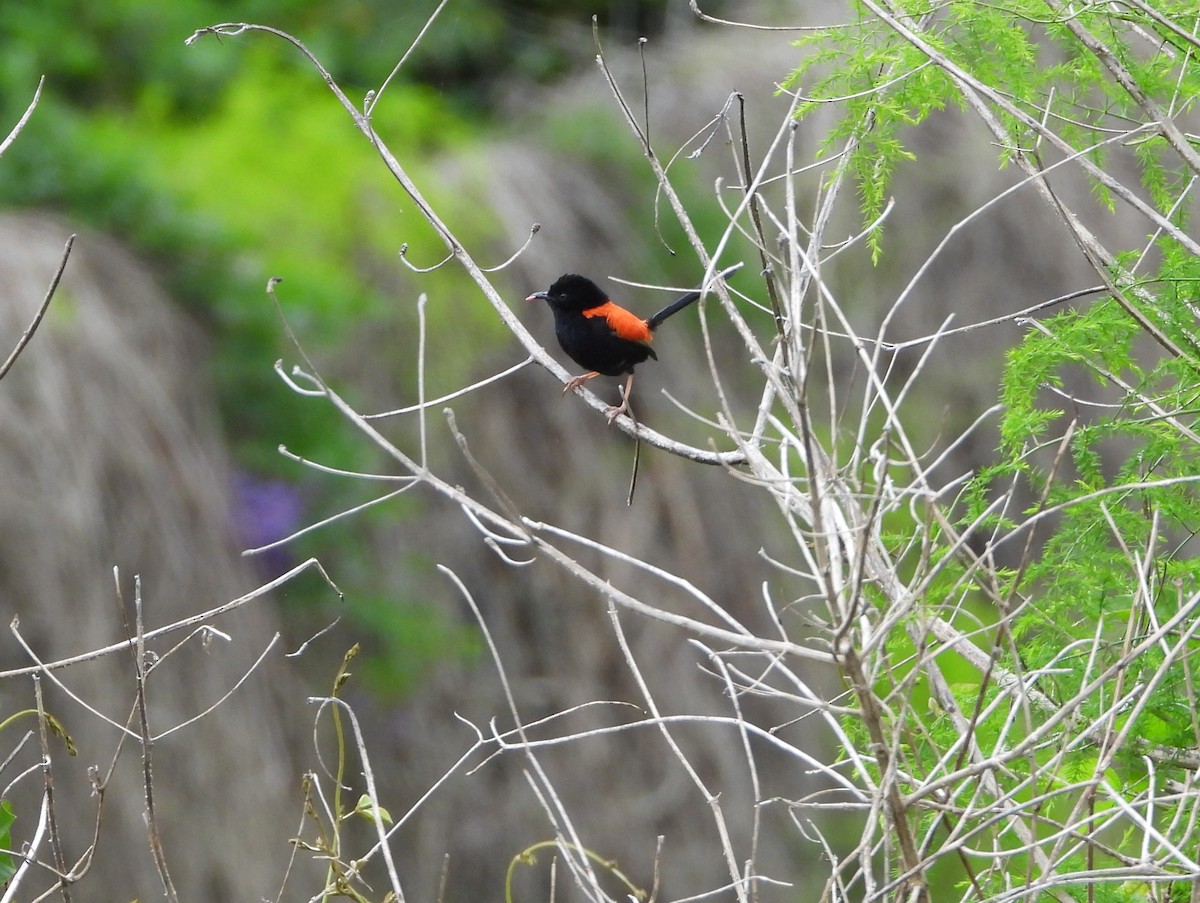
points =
(885, 84)
(407, 641)
(1112, 562)
(886, 78)
(7, 866)
(1098, 434)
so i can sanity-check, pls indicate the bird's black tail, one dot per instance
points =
(684, 300)
(673, 308)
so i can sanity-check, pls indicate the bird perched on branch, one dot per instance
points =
(601, 336)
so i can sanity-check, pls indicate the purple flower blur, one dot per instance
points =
(265, 511)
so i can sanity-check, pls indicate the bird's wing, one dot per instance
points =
(623, 323)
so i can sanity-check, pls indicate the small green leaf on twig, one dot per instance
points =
(56, 727)
(7, 816)
(368, 810)
(342, 674)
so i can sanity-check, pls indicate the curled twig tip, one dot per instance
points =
(403, 254)
(533, 230)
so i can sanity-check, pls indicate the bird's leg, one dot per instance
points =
(623, 407)
(577, 381)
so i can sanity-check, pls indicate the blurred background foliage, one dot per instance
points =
(225, 165)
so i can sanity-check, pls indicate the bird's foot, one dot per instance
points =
(623, 408)
(617, 410)
(576, 381)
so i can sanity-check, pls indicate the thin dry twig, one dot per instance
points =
(182, 624)
(137, 649)
(41, 312)
(21, 123)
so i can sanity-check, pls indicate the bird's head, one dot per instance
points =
(572, 292)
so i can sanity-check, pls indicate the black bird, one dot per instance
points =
(600, 335)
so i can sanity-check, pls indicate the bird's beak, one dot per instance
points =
(537, 296)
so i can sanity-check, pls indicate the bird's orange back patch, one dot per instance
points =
(625, 324)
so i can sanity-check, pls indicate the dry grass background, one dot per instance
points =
(111, 455)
